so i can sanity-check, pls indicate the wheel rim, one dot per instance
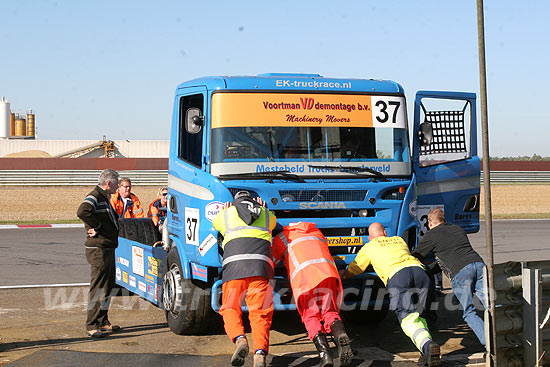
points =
(172, 290)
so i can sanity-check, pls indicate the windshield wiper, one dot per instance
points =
(269, 175)
(351, 169)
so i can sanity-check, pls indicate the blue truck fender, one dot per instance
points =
(177, 243)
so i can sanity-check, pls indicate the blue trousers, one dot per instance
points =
(468, 281)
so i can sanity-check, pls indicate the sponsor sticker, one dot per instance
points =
(118, 274)
(199, 272)
(123, 261)
(153, 265)
(306, 109)
(149, 278)
(156, 291)
(212, 209)
(132, 281)
(138, 266)
(151, 289)
(345, 241)
(142, 287)
(125, 277)
(207, 244)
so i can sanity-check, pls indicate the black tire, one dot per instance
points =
(141, 230)
(186, 303)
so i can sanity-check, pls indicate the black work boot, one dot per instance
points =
(342, 342)
(321, 344)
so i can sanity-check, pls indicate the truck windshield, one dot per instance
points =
(319, 144)
(280, 135)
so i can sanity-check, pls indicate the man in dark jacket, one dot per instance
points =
(460, 262)
(247, 269)
(100, 221)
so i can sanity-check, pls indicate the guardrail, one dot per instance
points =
(77, 178)
(160, 177)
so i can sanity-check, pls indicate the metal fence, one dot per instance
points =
(75, 178)
(160, 177)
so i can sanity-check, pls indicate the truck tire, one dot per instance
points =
(141, 230)
(186, 304)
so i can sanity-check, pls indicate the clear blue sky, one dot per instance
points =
(94, 68)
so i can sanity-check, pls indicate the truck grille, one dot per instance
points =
(323, 195)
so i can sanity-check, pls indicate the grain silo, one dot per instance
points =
(4, 118)
(12, 124)
(30, 124)
(20, 125)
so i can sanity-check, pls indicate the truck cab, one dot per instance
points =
(335, 152)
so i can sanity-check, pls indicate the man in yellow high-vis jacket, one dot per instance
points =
(247, 269)
(405, 277)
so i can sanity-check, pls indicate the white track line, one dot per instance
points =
(44, 286)
(40, 226)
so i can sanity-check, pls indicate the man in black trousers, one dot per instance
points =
(101, 222)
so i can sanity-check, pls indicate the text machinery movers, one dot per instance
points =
(334, 152)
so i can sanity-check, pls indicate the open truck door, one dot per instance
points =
(445, 160)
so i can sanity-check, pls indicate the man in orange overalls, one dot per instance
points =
(126, 204)
(316, 287)
(247, 269)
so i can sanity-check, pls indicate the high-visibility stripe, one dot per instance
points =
(307, 238)
(418, 331)
(424, 341)
(233, 258)
(415, 327)
(240, 228)
(297, 265)
(229, 229)
(285, 242)
(308, 263)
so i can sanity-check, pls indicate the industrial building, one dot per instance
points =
(18, 140)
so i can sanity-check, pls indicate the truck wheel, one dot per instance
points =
(186, 304)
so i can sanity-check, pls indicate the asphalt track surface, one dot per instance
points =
(55, 256)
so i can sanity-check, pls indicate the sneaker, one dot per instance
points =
(259, 360)
(108, 328)
(95, 334)
(433, 357)
(241, 351)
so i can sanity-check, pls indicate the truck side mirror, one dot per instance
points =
(193, 120)
(425, 133)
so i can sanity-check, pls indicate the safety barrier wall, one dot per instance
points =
(521, 300)
(75, 178)
(45, 177)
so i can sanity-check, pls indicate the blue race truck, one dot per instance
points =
(335, 152)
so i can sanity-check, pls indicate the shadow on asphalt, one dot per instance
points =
(60, 358)
(134, 330)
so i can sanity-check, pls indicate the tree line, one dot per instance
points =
(534, 157)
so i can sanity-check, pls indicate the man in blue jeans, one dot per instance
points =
(460, 262)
